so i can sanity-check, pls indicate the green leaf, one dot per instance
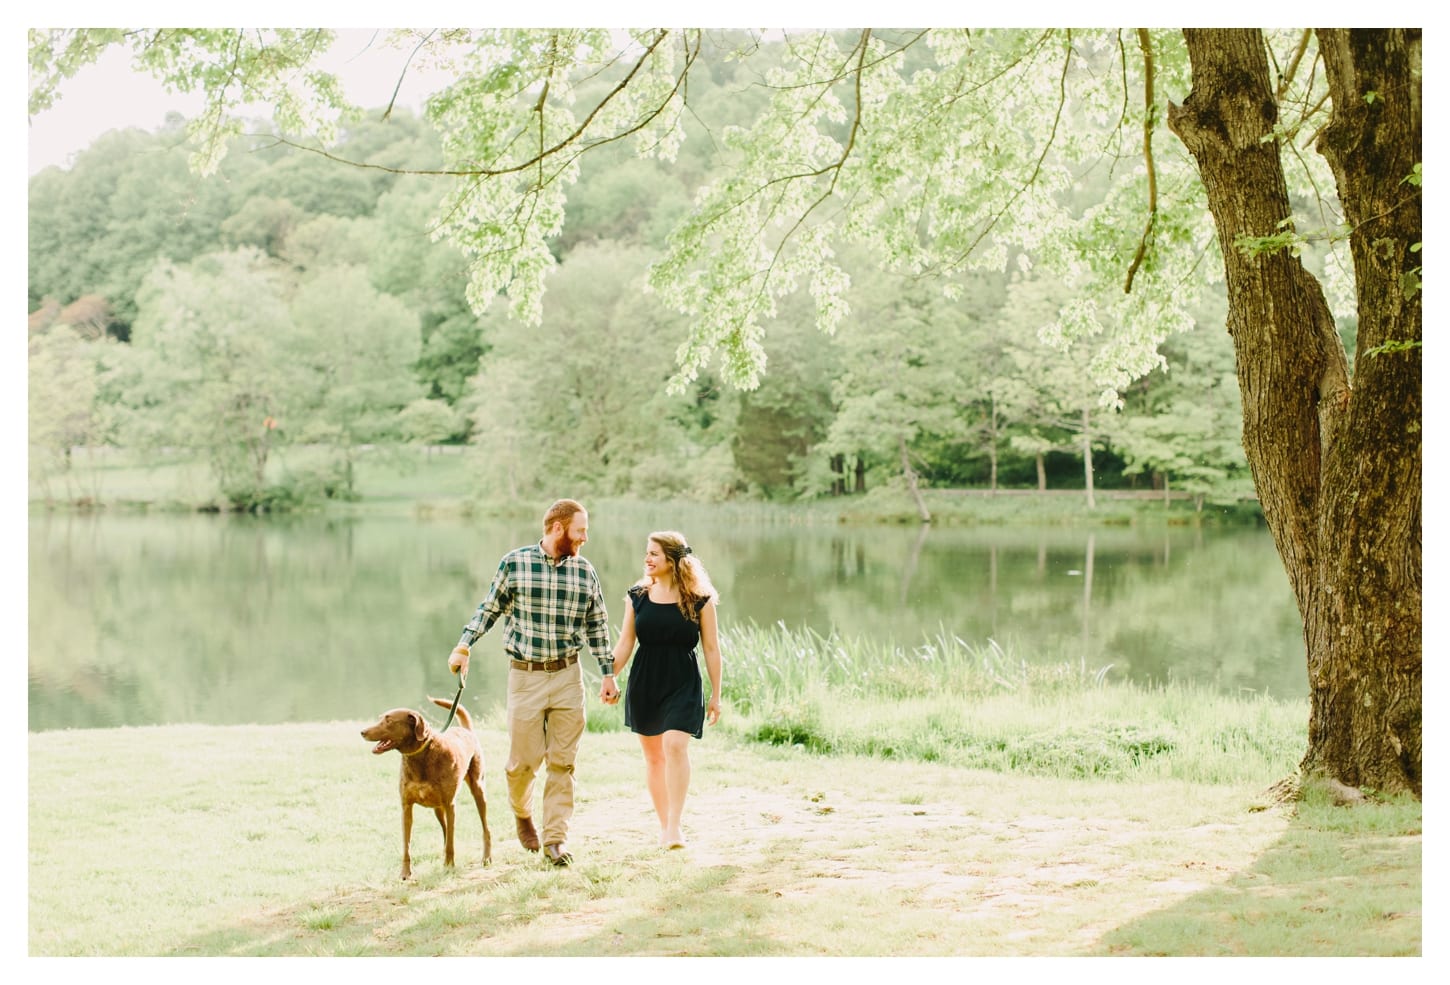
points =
(1394, 345)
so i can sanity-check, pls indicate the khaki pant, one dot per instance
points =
(546, 720)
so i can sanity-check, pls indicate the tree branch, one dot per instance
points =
(542, 154)
(861, 48)
(388, 113)
(1037, 166)
(1146, 44)
(1288, 75)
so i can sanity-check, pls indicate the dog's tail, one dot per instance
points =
(463, 715)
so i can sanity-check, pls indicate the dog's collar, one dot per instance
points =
(426, 743)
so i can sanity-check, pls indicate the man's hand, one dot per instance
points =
(458, 659)
(609, 691)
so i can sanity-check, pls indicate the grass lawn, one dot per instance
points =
(285, 841)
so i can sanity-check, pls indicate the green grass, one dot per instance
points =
(284, 840)
(1113, 507)
(950, 702)
(1334, 880)
(400, 480)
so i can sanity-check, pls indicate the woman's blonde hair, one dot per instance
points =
(690, 576)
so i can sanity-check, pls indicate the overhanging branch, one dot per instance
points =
(1146, 44)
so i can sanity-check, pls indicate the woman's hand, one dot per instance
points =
(712, 711)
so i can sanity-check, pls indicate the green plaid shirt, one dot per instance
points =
(553, 607)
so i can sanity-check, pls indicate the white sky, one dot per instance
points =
(111, 95)
(105, 96)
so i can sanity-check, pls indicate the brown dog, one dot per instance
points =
(433, 763)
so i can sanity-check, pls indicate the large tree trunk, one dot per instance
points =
(1337, 469)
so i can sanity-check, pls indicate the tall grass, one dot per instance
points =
(960, 704)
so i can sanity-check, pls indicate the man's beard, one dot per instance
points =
(567, 547)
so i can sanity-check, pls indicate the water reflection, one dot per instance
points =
(226, 620)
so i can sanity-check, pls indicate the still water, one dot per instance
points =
(144, 620)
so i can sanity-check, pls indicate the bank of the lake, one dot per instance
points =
(441, 481)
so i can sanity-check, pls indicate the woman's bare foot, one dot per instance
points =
(672, 839)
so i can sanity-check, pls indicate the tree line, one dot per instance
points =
(293, 301)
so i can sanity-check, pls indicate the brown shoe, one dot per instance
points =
(557, 855)
(528, 837)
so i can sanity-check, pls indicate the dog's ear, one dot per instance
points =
(419, 725)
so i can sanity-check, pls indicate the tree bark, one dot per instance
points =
(911, 486)
(992, 437)
(1089, 554)
(1087, 459)
(1337, 468)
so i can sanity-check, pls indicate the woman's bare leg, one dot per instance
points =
(654, 776)
(677, 784)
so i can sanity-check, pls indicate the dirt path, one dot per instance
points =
(981, 866)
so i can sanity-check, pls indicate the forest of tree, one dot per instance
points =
(290, 299)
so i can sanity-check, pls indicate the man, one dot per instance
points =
(552, 605)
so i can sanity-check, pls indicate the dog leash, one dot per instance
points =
(454, 708)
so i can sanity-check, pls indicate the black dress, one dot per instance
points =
(664, 690)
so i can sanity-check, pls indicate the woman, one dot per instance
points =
(670, 611)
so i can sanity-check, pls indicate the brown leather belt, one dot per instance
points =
(544, 664)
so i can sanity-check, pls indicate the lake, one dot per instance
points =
(193, 618)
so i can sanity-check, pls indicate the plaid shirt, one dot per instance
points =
(553, 607)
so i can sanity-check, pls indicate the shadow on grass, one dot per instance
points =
(1340, 882)
(515, 908)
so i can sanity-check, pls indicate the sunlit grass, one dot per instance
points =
(283, 841)
(953, 702)
(1340, 878)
